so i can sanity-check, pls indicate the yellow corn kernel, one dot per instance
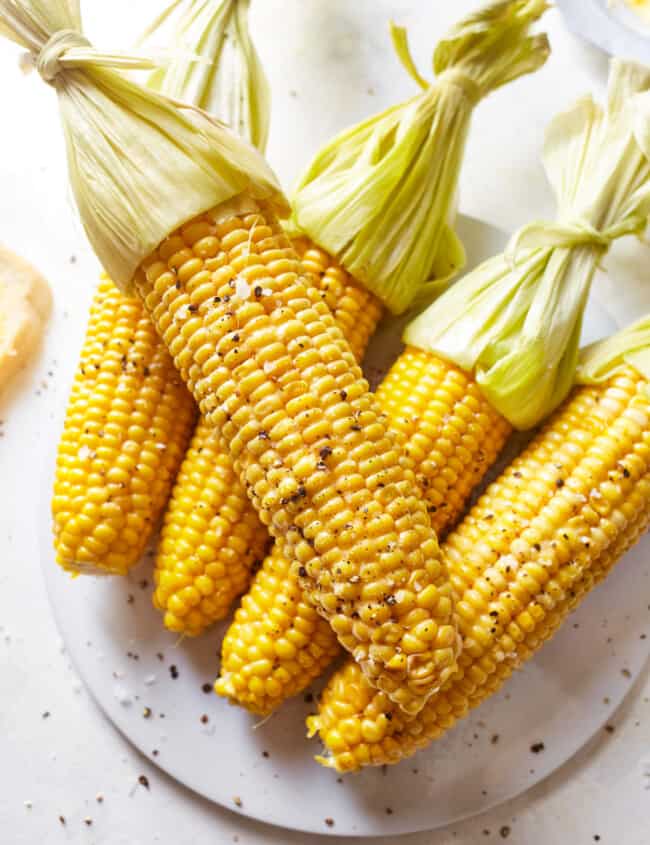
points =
(451, 431)
(271, 614)
(519, 564)
(212, 537)
(127, 426)
(429, 402)
(356, 310)
(249, 289)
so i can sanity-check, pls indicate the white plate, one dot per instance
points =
(612, 26)
(561, 699)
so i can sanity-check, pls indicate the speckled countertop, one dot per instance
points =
(65, 774)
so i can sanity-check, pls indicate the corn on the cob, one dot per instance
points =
(356, 310)
(210, 541)
(539, 539)
(127, 426)
(451, 431)
(273, 373)
(277, 643)
(202, 28)
(453, 436)
(212, 538)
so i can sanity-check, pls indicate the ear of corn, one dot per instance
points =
(539, 539)
(139, 164)
(270, 369)
(127, 426)
(381, 196)
(212, 539)
(277, 643)
(451, 431)
(229, 82)
(356, 310)
(228, 79)
(453, 436)
(515, 321)
(210, 542)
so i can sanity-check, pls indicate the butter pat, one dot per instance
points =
(25, 304)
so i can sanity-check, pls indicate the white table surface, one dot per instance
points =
(330, 64)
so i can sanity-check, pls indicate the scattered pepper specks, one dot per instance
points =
(143, 780)
(537, 747)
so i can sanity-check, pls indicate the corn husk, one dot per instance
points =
(515, 321)
(628, 348)
(212, 63)
(140, 164)
(381, 195)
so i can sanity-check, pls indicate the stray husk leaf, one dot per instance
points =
(381, 196)
(515, 321)
(213, 64)
(628, 347)
(140, 164)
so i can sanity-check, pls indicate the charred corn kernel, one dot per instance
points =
(519, 564)
(451, 431)
(354, 307)
(212, 537)
(454, 437)
(127, 426)
(273, 620)
(217, 328)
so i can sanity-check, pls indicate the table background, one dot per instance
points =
(330, 63)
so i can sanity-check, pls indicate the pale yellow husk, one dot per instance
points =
(515, 321)
(140, 164)
(212, 63)
(629, 347)
(381, 196)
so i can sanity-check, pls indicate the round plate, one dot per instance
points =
(150, 684)
(612, 26)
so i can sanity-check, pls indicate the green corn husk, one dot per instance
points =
(180, 162)
(515, 321)
(381, 196)
(213, 64)
(629, 347)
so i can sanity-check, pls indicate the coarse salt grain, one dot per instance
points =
(242, 288)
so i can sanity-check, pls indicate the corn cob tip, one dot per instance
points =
(313, 725)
